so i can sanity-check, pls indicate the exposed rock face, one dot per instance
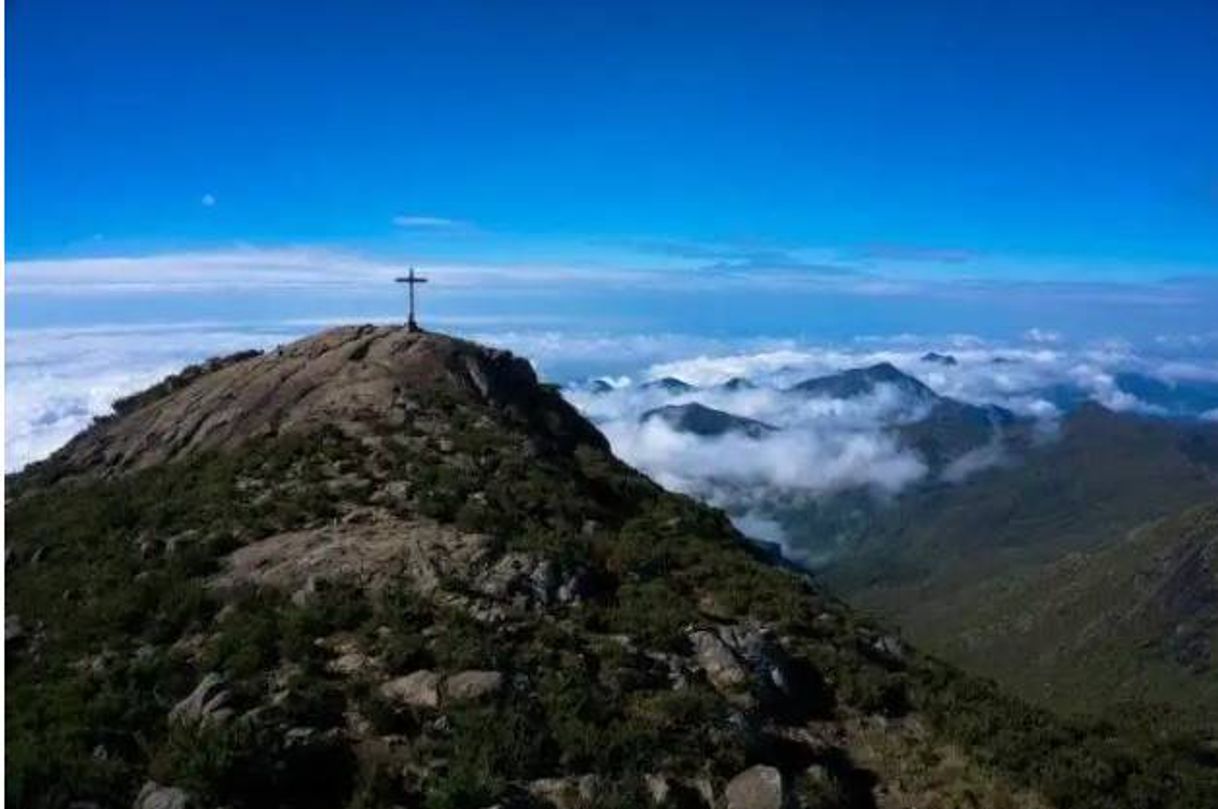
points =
(469, 686)
(381, 548)
(722, 666)
(570, 792)
(758, 787)
(207, 703)
(352, 378)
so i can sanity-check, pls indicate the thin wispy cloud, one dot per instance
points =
(306, 267)
(427, 222)
(208, 200)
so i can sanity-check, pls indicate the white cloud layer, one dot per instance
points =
(824, 445)
(59, 379)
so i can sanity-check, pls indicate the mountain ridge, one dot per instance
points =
(453, 595)
(699, 419)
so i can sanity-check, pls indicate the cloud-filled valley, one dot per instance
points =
(59, 379)
(983, 398)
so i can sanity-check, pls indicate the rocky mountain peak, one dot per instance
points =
(355, 378)
(699, 419)
(863, 381)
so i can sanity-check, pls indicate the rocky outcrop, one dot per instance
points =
(570, 792)
(379, 548)
(207, 703)
(758, 787)
(428, 689)
(722, 664)
(154, 796)
(351, 378)
(470, 686)
(420, 689)
(749, 665)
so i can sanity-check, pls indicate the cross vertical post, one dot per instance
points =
(410, 280)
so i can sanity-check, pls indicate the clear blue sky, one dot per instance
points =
(1078, 129)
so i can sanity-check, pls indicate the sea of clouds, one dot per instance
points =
(824, 446)
(58, 380)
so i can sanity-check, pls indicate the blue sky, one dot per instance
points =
(600, 174)
(1078, 129)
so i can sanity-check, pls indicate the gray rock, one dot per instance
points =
(890, 648)
(468, 686)
(299, 736)
(659, 788)
(565, 793)
(508, 576)
(758, 787)
(207, 703)
(154, 796)
(543, 581)
(721, 664)
(351, 664)
(420, 689)
(573, 589)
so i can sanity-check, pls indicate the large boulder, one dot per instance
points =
(747, 663)
(723, 667)
(420, 689)
(758, 787)
(519, 578)
(469, 686)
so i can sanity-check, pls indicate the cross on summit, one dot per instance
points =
(411, 280)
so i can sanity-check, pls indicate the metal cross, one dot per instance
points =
(410, 280)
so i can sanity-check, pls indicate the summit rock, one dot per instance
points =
(353, 378)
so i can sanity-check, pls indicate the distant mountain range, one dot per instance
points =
(1071, 559)
(1180, 399)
